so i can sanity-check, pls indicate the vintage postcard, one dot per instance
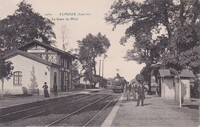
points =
(99, 63)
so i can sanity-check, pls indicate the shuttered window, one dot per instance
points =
(17, 78)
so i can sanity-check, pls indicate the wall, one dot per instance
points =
(185, 89)
(168, 88)
(170, 91)
(32, 73)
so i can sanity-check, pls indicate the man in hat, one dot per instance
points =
(141, 94)
(134, 90)
(55, 90)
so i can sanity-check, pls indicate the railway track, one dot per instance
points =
(58, 113)
(36, 110)
(99, 106)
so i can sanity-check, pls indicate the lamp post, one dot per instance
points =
(180, 92)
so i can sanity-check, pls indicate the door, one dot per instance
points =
(63, 87)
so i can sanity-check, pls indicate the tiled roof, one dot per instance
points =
(186, 73)
(165, 73)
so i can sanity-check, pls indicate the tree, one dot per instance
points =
(89, 48)
(184, 43)
(33, 81)
(64, 37)
(5, 71)
(147, 19)
(161, 29)
(75, 63)
(23, 26)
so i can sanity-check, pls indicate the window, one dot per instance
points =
(17, 78)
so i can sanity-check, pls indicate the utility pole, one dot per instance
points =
(99, 67)
(102, 67)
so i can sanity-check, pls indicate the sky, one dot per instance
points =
(80, 19)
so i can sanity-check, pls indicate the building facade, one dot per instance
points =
(35, 63)
(170, 85)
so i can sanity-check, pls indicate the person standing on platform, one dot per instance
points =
(157, 89)
(141, 94)
(128, 91)
(45, 87)
(134, 90)
(55, 90)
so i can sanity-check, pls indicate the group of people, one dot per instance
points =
(137, 91)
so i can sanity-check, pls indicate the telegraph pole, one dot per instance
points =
(99, 67)
(102, 67)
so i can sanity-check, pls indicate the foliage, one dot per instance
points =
(146, 19)
(184, 43)
(195, 89)
(5, 70)
(165, 31)
(75, 64)
(23, 26)
(89, 48)
(33, 81)
(99, 79)
(146, 71)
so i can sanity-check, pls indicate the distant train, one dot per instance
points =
(118, 84)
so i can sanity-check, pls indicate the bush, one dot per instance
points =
(195, 90)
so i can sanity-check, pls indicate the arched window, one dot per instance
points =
(17, 78)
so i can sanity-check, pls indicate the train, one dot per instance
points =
(118, 84)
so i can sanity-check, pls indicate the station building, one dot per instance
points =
(35, 63)
(170, 87)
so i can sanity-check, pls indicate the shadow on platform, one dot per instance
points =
(191, 106)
